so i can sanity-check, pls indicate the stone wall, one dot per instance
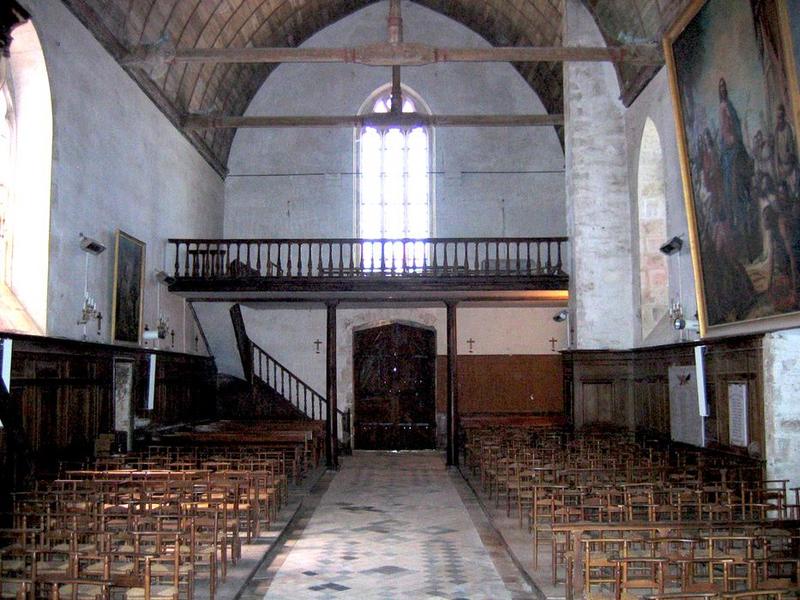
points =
(487, 181)
(655, 103)
(781, 406)
(598, 201)
(117, 163)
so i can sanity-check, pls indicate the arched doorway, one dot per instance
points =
(394, 387)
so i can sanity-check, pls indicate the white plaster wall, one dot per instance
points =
(290, 183)
(215, 318)
(117, 163)
(655, 102)
(288, 333)
(781, 408)
(598, 200)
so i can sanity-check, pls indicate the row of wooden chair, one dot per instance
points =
(143, 533)
(580, 490)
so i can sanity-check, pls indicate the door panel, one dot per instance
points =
(394, 384)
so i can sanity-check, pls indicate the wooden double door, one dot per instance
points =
(394, 387)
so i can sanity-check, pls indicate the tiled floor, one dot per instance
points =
(390, 525)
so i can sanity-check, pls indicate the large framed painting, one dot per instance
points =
(126, 313)
(734, 82)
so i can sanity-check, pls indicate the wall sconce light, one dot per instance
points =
(561, 317)
(89, 310)
(162, 322)
(679, 322)
(91, 245)
(672, 246)
(163, 278)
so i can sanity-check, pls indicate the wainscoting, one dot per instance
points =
(62, 398)
(630, 389)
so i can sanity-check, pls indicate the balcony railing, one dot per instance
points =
(281, 260)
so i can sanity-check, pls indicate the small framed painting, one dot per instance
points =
(126, 313)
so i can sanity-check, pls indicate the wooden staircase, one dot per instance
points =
(283, 393)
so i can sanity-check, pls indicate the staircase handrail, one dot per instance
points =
(293, 378)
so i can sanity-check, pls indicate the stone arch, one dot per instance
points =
(652, 224)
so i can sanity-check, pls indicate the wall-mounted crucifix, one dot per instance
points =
(317, 344)
(471, 343)
(552, 341)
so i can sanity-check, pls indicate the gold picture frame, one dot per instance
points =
(733, 81)
(128, 298)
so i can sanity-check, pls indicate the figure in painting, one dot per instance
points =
(786, 152)
(737, 173)
(763, 157)
(725, 278)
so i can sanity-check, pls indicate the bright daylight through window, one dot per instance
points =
(394, 198)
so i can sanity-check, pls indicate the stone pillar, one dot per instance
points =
(781, 357)
(598, 199)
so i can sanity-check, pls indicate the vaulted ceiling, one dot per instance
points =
(181, 88)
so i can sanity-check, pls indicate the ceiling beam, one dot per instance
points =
(395, 55)
(199, 122)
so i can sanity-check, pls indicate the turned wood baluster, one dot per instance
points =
(445, 265)
(195, 269)
(177, 253)
(559, 263)
(351, 250)
(528, 257)
(330, 259)
(341, 259)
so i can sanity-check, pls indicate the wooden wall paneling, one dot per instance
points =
(510, 383)
(737, 361)
(64, 392)
(185, 389)
(640, 376)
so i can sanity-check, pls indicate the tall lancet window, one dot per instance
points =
(394, 192)
(6, 173)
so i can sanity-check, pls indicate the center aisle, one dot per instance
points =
(391, 525)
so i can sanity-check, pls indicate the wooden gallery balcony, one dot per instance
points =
(432, 265)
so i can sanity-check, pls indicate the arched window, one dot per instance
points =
(26, 139)
(6, 171)
(394, 190)
(653, 275)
